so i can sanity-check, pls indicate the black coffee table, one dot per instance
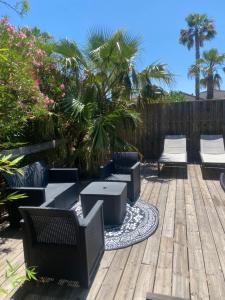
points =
(114, 195)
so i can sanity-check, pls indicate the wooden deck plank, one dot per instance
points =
(184, 258)
(149, 262)
(128, 280)
(163, 277)
(197, 273)
(212, 265)
(180, 285)
(214, 220)
(112, 278)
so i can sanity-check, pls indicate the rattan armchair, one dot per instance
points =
(124, 167)
(62, 246)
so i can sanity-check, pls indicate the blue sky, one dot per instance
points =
(157, 23)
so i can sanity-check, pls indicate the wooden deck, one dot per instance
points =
(184, 258)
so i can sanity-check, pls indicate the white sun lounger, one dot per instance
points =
(212, 152)
(174, 152)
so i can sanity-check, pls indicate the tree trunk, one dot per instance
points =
(210, 87)
(197, 76)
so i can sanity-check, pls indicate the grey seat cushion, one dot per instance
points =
(53, 190)
(119, 177)
(213, 158)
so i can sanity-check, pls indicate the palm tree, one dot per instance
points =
(209, 66)
(102, 86)
(200, 29)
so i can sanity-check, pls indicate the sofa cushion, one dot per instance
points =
(61, 195)
(33, 175)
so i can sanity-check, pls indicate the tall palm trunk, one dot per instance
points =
(197, 57)
(210, 87)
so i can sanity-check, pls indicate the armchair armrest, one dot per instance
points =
(36, 194)
(92, 241)
(135, 170)
(35, 197)
(98, 207)
(57, 175)
(107, 169)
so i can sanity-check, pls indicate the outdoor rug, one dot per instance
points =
(140, 222)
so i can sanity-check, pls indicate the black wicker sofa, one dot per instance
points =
(40, 184)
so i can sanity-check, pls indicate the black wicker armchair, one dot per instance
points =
(40, 184)
(124, 167)
(62, 246)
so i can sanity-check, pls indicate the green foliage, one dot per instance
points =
(12, 275)
(175, 96)
(9, 165)
(199, 29)
(210, 65)
(20, 95)
(20, 7)
(101, 88)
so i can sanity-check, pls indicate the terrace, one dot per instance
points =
(83, 133)
(183, 258)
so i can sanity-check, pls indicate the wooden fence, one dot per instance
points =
(190, 118)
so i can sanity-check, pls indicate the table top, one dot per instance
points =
(104, 188)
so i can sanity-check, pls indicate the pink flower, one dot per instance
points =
(36, 63)
(22, 35)
(40, 52)
(63, 94)
(48, 101)
(62, 87)
(10, 28)
(30, 44)
(37, 82)
(5, 20)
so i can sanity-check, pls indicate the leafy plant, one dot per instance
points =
(20, 7)
(9, 166)
(20, 95)
(209, 65)
(199, 29)
(101, 90)
(15, 279)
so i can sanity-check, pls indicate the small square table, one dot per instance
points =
(114, 195)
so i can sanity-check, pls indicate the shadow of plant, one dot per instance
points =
(52, 290)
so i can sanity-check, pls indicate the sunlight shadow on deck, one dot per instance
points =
(53, 291)
(211, 174)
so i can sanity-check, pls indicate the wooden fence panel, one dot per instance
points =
(190, 118)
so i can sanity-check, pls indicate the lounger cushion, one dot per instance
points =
(212, 144)
(175, 144)
(213, 158)
(173, 158)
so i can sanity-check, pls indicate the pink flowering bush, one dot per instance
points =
(22, 94)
